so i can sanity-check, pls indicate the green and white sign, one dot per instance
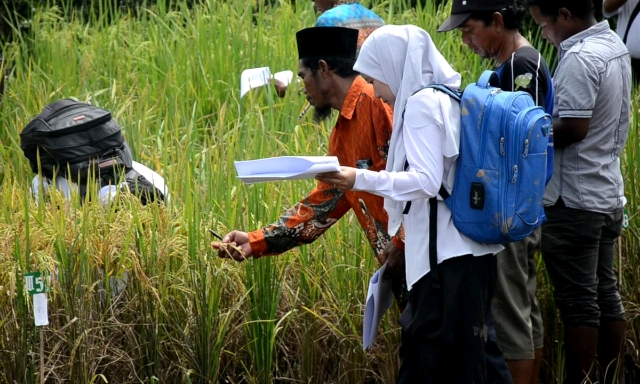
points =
(35, 283)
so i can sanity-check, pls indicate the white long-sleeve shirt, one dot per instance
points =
(424, 137)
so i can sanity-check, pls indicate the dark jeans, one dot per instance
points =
(578, 251)
(444, 330)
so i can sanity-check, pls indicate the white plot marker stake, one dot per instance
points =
(36, 287)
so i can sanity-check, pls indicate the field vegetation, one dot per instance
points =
(171, 78)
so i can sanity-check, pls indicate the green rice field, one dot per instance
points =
(171, 77)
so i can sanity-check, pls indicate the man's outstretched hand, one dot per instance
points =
(235, 245)
(395, 261)
(281, 88)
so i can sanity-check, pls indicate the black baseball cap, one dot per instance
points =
(327, 42)
(462, 9)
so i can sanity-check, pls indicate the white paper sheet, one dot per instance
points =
(285, 168)
(254, 78)
(258, 77)
(379, 299)
(153, 177)
(284, 76)
(40, 312)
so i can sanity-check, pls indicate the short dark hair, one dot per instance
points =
(342, 66)
(582, 9)
(512, 17)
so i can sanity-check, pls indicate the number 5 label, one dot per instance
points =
(35, 283)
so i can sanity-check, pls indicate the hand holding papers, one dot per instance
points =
(285, 168)
(284, 76)
(379, 299)
(258, 77)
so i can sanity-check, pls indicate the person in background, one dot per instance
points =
(360, 139)
(584, 200)
(628, 28)
(443, 326)
(490, 29)
(340, 13)
(41, 184)
(349, 14)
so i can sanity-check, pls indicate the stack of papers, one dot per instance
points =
(285, 168)
(379, 299)
(257, 77)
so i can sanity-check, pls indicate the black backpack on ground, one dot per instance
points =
(82, 142)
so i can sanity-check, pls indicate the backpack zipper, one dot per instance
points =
(101, 119)
(511, 165)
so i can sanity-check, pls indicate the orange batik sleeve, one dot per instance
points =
(301, 224)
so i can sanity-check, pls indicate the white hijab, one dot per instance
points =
(405, 58)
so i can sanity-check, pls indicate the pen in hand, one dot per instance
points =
(215, 234)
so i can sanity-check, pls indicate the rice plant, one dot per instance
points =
(138, 296)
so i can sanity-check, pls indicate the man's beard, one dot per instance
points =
(321, 113)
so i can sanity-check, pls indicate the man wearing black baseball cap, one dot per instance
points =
(490, 29)
(462, 9)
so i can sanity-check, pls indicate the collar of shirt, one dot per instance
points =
(352, 96)
(602, 26)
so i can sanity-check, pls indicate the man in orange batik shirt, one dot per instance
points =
(360, 138)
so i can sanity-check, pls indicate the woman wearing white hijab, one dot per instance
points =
(443, 326)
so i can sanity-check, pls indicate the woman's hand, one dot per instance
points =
(342, 180)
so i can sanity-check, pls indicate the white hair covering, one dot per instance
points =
(405, 58)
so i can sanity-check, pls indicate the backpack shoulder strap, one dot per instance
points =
(433, 232)
(433, 241)
(457, 95)
(634, 13)
(488, 79)
(433, 202)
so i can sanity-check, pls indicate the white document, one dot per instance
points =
(153, 177)
(40, 312)
(257, 77)
(379, 299)
(285, 168)
(253, 78)
(284, 76)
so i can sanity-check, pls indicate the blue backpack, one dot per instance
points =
(502, 166)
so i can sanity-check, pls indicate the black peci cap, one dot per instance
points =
(462, 9)
(327, 42)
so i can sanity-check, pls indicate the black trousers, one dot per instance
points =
(578, 248)
(444, 329)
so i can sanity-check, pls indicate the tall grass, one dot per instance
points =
(171, 78)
